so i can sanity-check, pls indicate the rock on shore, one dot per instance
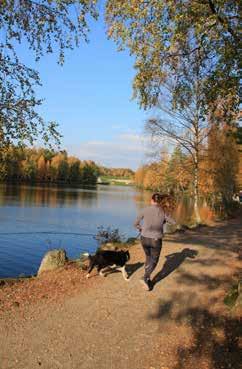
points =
(53, 259)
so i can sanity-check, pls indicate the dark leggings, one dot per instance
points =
(152, 249)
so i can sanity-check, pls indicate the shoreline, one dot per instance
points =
(179, 230)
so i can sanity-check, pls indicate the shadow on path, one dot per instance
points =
(173, 261)
(223, 237)
(132, 268)
(215, 337)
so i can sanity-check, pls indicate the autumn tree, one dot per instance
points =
(223, 164)
(177, 176)
(41, 168)
(139, 176)
(155, 175)
(32, 165)
(168, 174)
(186, 60)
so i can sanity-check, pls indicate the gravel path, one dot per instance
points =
(181, 324)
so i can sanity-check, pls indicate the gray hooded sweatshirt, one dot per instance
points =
(153, 218)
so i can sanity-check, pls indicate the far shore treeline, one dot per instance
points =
(219, 167)
(32, 165)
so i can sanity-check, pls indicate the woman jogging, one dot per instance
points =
(153, 219)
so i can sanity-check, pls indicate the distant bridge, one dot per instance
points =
(124, 181)
(115, 180)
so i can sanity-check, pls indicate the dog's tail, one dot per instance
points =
(86, 254)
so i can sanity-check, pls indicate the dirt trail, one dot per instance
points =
(181, 324)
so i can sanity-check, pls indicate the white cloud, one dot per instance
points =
(127, 149)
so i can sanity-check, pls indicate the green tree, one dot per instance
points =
(88, 174)
(238, 135)
(10, 164)
(29, 171)
(48, 156)
(74, 170)
(45, 25)
(63, 171)
(160, 34)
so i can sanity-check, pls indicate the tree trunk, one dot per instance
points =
(197, 149)
(196, 192)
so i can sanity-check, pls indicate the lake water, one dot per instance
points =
(35, 219)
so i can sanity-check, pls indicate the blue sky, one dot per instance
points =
(90, 98)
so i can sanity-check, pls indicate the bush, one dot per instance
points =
(232, 296)
(108, 235)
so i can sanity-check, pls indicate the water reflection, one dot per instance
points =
(50, 196)
(114, 199)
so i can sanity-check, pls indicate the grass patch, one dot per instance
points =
(232, 296)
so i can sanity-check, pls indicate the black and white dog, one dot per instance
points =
(108, 259)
